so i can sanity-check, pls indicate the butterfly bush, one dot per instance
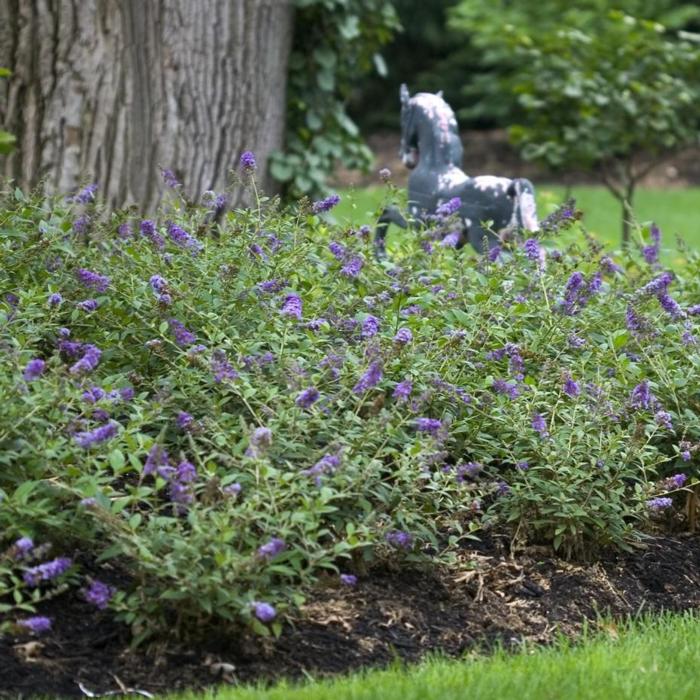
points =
(226, 428)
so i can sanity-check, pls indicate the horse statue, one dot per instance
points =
(432, 150)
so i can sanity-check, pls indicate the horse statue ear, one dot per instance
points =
(403, 94)
(439, 94)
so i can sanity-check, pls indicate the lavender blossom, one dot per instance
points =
(448, 208)
(88, 362)
(677, 481)
(337, 249)
(451, 240)
(651, 252)
(157, 458)
(403, 336)
(93, 280)
(55, 299)
(403, 390)
(86, 195)
(264, 611)
(47, 571)
(608, 265)
(661, 503)
(428, 425)
(81, 224)
(349, 580)
(184, 421)
(222, 368)
(571, 388)
(540, 425)
(36, 624)
(531, 248)
(158, 284)
(352, 267)
(89, 438)
(384, 174)
(307, 398)
(23, 546)
(93, 394)
(182, 239)
(272, 548)
(328, 464)
(657, 286)
(88, 305)
(183, 337)
(663, 420)
(671, 306)
(271, 286)
(326, 204)
(169, 178)
(292, 306)
(370, 327)
(34, 369)
(98, 594)
(148, 230)
(510, 389)
(247, 162)
(399, 539)
(369, 379)
(641, 396)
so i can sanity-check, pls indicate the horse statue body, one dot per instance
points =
(432, 150)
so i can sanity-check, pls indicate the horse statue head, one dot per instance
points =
(428, 130)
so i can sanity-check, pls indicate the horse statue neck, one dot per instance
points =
(439, 143)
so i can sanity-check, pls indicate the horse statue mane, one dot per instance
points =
(432, 150)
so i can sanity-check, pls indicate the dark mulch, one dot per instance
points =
(494, 598)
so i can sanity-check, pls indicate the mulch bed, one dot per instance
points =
(494, 598)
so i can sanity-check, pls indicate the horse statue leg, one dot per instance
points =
(524, 208)
(391, 215)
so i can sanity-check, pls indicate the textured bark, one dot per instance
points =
(112, 90)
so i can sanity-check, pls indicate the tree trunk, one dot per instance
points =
(113, 90)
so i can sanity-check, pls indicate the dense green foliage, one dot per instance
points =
(634, 661)
(617, 97)
(319, 409)
(335, 43)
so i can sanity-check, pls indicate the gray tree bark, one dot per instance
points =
(113, 90)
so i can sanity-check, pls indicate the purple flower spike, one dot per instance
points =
(23, 546)
(86, 195)
(34, 369)
(264, 611)
(272, 548)
(292, 306)
(183, 337)
(369, 379)
(93, 280)
(36, 625)
(55, 299)
(326, 204)
(403, 390)
(247, 162)
(348, 580)
(47, 571)
(370, 327)
(169, 178)
(307, 398)
(399, 539)
(539, 425)
(99, 594)
(660, 503)
(94, 437)
(428, 425)
(403, 336)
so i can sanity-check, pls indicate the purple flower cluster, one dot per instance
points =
(659, 285)
(89, 360)
(34, 369)
(247, 162)
(169, 178)
(370, 327)
(98, 594)
(183, 337)
(180, 486)
(641, 396)
(222, 368)
(93, 280)
(36, 624)
(86, 195)
(271, 286)
(94, 437)
(451, 240)
(272, 548)
(182, 239)
(307, 397)
(148, 230)
(448, 208)
(578, 292)
(509, 389)
(47, 571)
(532, 249)
(156, 461)
(403, 390)
(651, 252)
(369, 379)
(539, 425)
(571, 388)
(403, 336)
(23, 546)
(349, 580)
(292, 306)
(352, 267)
(55, 299)
(399, 539)
(663, 420)
(428, 425)
(264, 611)
(88, 305)
(326, 204)
(660, 503)
(328, 464)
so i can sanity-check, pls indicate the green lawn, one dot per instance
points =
(649, 660)
(674, 210)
